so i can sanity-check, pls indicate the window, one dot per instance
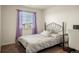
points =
(26, 18)
(27, 21)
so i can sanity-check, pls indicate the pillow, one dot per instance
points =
(60, 33)
(53, 30)
(45, 33)
(54, 35)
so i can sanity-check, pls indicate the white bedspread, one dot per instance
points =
(37, 42)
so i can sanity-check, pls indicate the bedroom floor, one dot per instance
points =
(13, 48)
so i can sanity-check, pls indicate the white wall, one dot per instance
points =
(9, 18)
(0, 28)
(69, 14)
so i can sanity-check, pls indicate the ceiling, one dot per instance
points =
(39, 6)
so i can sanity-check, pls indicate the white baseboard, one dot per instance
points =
(7, 43)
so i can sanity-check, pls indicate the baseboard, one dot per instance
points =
(7, 43)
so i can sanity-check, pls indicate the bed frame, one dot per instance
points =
(47, 27)
(20, 47)
(52, 25)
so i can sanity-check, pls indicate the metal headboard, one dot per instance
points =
(53, 25)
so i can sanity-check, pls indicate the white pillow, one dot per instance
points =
(45, 33)
(54, 35)
(60, 33)
(53, 30)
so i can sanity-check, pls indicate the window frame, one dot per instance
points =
(28, 12)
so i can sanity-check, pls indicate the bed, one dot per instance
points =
(37, 42)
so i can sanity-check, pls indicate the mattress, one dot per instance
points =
(37, 42)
